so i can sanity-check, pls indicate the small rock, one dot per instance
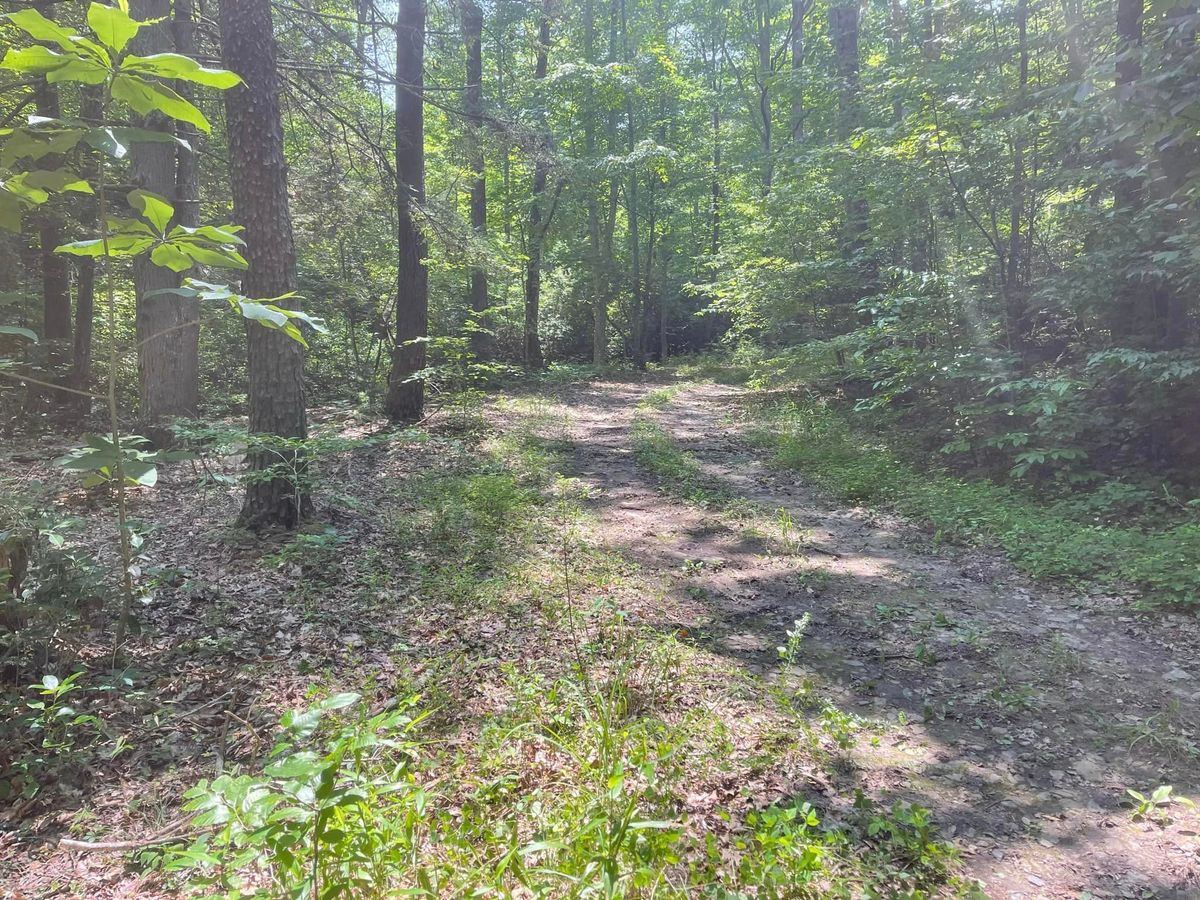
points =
(1176, 674)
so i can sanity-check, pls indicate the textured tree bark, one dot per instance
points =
(258, 178)
(405, 400)
(168, 345)
(537, 231)
(472, 24)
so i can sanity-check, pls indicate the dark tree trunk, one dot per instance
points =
(168, 341)
(90, 102)
(537, 230)
(800, 9)
(472, 24)
(763, 13)
(406, 391)
(1014, 281)
(258, 178)
(56, 270)
(843, 31)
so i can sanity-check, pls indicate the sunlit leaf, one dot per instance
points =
(184, 68)
(147, 97)
(112, 25)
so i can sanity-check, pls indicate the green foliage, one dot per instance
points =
(1045, 542)
(336, 810)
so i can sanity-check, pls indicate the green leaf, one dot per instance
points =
(146, 97)
(34, 143)
(38, 27)
(184, 68)
(35, 60)
(153, 208)
(85, 71)
(10, 212)
(112, 25)
(166, 256)
(56, 181)
(19, 332)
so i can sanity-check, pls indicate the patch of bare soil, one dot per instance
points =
(1018, 713)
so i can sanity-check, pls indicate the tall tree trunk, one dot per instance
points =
(406, 391)
(843, 31)
(1127, 193)
(537, 231)
(90, 102)
(56, 270)
(800, 9)
(168, 346)
(1014, 282)
(763, 14)
(637, 335)
(258, 179)
(715, 242)
(599, 295)
(472, 24)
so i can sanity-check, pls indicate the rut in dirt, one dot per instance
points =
(1018, 713)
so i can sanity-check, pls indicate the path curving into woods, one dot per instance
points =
(1017, 712)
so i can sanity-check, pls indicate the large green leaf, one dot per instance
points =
(146, 97)
(56, 181)
(118, 245)
(38, 27)
(35, 60)
(34, 143)
(112, 25)
(184, 68)
(19, 332)
(153, 208)
(85, 71)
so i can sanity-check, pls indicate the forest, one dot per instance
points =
(599, 448)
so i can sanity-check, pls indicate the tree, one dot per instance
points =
(406, 391)
(472, 24)
(258, 180)
(537, 229)
(168, 329)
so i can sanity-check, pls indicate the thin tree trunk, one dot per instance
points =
(406, 391)
(472, 24)
(537, 231)
(599, 297)
(90, 101)
(799, 11)
(258, 180)
(763, 13)
(1014, 285)
(843, 30)
(168, 346)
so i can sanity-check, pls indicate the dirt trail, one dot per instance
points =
(1019, 714)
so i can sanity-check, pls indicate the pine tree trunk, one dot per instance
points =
(472, 24)
(168, 345)
(406, 392)
(258, 179)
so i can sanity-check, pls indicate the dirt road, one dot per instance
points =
(1018, 713)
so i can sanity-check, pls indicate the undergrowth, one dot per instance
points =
(573, 771)
(1045, 541)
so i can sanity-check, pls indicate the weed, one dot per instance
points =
(1158, 804)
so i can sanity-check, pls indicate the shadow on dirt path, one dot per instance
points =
(1017, 713)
